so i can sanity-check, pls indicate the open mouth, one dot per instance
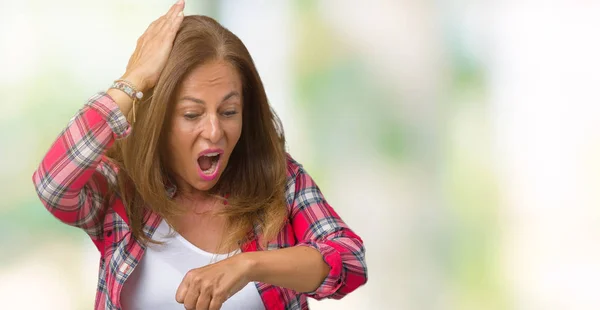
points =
(209, 164)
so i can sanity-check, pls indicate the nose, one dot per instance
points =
(212, 130)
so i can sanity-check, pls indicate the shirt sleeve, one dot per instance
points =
(72, 178)
(317, 225)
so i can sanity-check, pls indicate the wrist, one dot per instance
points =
(138, 82)
(251, 263)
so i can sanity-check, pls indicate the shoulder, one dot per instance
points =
(294, 168)
(298, 182)
(294, 175)
(297, 177)
(303, 195)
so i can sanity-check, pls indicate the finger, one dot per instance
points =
(181, 292)
(157, 24)
(175, 9)
(203, 300)
(161, 21)
(173, 27)
(174, 19)
(191, 298)
(151, 32)
(216, 302)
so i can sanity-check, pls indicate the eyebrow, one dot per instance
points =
(200, 101)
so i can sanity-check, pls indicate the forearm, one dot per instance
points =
(300, 268)
(74, 156)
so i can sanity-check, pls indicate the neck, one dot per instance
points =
(192, 196)
(188, 192)
(197, 201)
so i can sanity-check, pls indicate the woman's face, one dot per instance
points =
(206, 124)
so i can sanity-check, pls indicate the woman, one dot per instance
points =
(188, 194)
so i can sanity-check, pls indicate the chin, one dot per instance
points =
(202, 185)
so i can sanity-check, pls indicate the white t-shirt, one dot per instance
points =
(154, 281)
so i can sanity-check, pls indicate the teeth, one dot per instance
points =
(211, 169)
(211, 154)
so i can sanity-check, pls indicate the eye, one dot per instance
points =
(191, 116)
(230, 113)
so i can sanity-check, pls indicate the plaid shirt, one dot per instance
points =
(72, 182)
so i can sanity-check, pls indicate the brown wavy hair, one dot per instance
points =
(255, 177)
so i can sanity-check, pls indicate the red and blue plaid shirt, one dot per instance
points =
(72, 182)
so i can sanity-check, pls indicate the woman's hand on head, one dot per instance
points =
(153, 49)
(210, 286)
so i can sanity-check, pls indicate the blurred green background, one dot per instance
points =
(458, 138)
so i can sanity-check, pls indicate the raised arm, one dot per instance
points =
(73, 178)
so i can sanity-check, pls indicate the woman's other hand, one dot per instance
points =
(153, 49)
(210, 286)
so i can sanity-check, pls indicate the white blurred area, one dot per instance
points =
(544, 89)
(535, 130)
